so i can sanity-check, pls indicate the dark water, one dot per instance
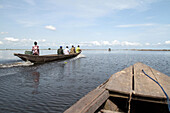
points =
(54, 87)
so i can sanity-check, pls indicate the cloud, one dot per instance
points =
(11, 39)
(1, 42)
(95, 8)
(96, 43)
(116, 42)
(147, 44)
(25, 42)
(3, 33)
(126, 43)
(31, 41)
(135, 25)
(110, 43)
(43, 40)
(167, 42)
(50, 27)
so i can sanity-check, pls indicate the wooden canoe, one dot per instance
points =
(44, 58)
(127, 91)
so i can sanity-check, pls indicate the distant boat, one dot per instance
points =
(44, 58)
(109, 49)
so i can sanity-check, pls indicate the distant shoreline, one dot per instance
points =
(129, 49)
(105, 49)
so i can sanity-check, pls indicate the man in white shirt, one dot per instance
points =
(66, 51)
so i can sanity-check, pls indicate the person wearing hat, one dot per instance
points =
(60, 51)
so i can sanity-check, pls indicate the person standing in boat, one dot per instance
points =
(72, 50)
(60, 51)
(78, 50)
(35, 49)
(66, 51)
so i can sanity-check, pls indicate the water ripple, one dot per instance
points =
(53, 87)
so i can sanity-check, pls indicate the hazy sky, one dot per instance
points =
(90, 23)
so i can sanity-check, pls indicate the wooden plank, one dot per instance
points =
(110, 106)
(163, 80)
(109, 111)
(90, 102)
(143, 85)
(96, 103)
(121, 81)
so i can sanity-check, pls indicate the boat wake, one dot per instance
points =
(15, 64)
(73, 59)
(28, 63)
(79, 56)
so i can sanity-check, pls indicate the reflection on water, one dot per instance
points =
(55, 86)
(36, 76)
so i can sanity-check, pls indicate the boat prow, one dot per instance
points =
(127, 91)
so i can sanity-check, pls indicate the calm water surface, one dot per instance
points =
(54, 87)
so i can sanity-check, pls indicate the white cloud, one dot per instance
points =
(43, 40)
(106, 43)
(1, 42)
(24, 40)
(167, 42)
(96, 8)
(50, 27)
(31, 41)
(3, 33)
(110, 43)
(11, 39)
(135, 25)
(96, 43)
(115, 42)
(126, 43)
(147, 44)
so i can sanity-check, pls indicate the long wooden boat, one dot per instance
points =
(127, 91)
(44, 58)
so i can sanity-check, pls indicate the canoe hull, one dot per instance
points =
(44, 58)
(127, 91)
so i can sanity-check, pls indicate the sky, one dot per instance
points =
(118, 24)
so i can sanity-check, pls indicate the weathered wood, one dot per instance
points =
(121, 81)
(109, 111)
(128, 82)
(109, 105)
(143, 85)
(90, 102)
(97, 103)
(163, 80)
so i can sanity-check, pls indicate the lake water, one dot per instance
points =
(53, 87)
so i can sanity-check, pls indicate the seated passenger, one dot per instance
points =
(35, 49)
(78, 50)
(72, 50)
(60, 51)
(66, 51)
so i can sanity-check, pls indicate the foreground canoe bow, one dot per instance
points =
(127, 91)
(44, 58)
